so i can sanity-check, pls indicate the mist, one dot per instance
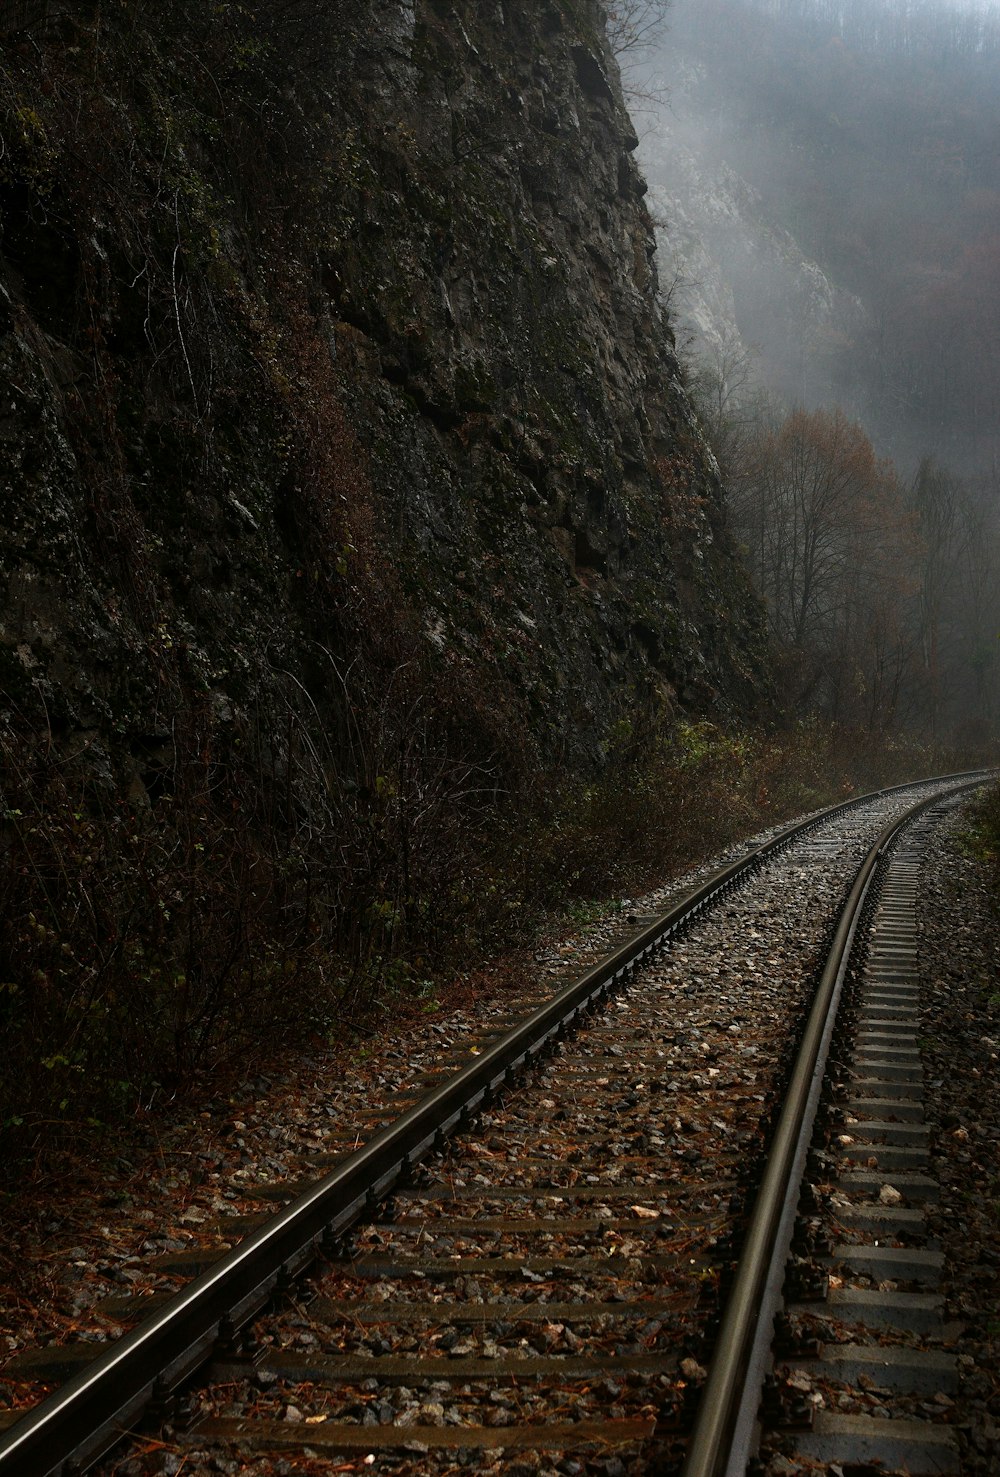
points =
(829, 187)
(826, 185)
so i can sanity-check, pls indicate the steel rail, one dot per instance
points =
(89, 1413)
(723, 1437)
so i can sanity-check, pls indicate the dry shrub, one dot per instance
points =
(274, 878)
(670, 798)
(277, 884)
(981, 835)
(144, 937)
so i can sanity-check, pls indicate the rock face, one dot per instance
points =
(366, 348)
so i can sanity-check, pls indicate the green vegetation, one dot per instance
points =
(980, 836)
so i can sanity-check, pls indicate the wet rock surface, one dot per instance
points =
(512, 445)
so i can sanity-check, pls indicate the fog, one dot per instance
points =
(829, 183)
(826, 182)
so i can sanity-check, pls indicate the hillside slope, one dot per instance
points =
(350, 497)
(422, 346)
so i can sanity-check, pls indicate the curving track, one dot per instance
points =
(543, 1285)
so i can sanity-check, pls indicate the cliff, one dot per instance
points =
(349, 492)
(429, 346)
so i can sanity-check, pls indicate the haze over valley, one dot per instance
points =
(826, 182)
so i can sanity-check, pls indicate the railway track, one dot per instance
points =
(867, 1313)
(504, 1277)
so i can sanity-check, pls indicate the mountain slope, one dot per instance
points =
(353, 514)
(420, 346)
(861, 136)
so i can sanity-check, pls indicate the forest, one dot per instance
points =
(852, 399)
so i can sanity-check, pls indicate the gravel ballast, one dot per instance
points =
(672, 1082)
(960, 965)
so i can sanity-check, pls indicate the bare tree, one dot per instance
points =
(635, 26)
(934, 498)
(979, 604)
(733, 407)
(832, 550)
(634, 29)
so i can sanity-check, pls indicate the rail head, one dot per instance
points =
(89, 1413)
(722, 1439)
